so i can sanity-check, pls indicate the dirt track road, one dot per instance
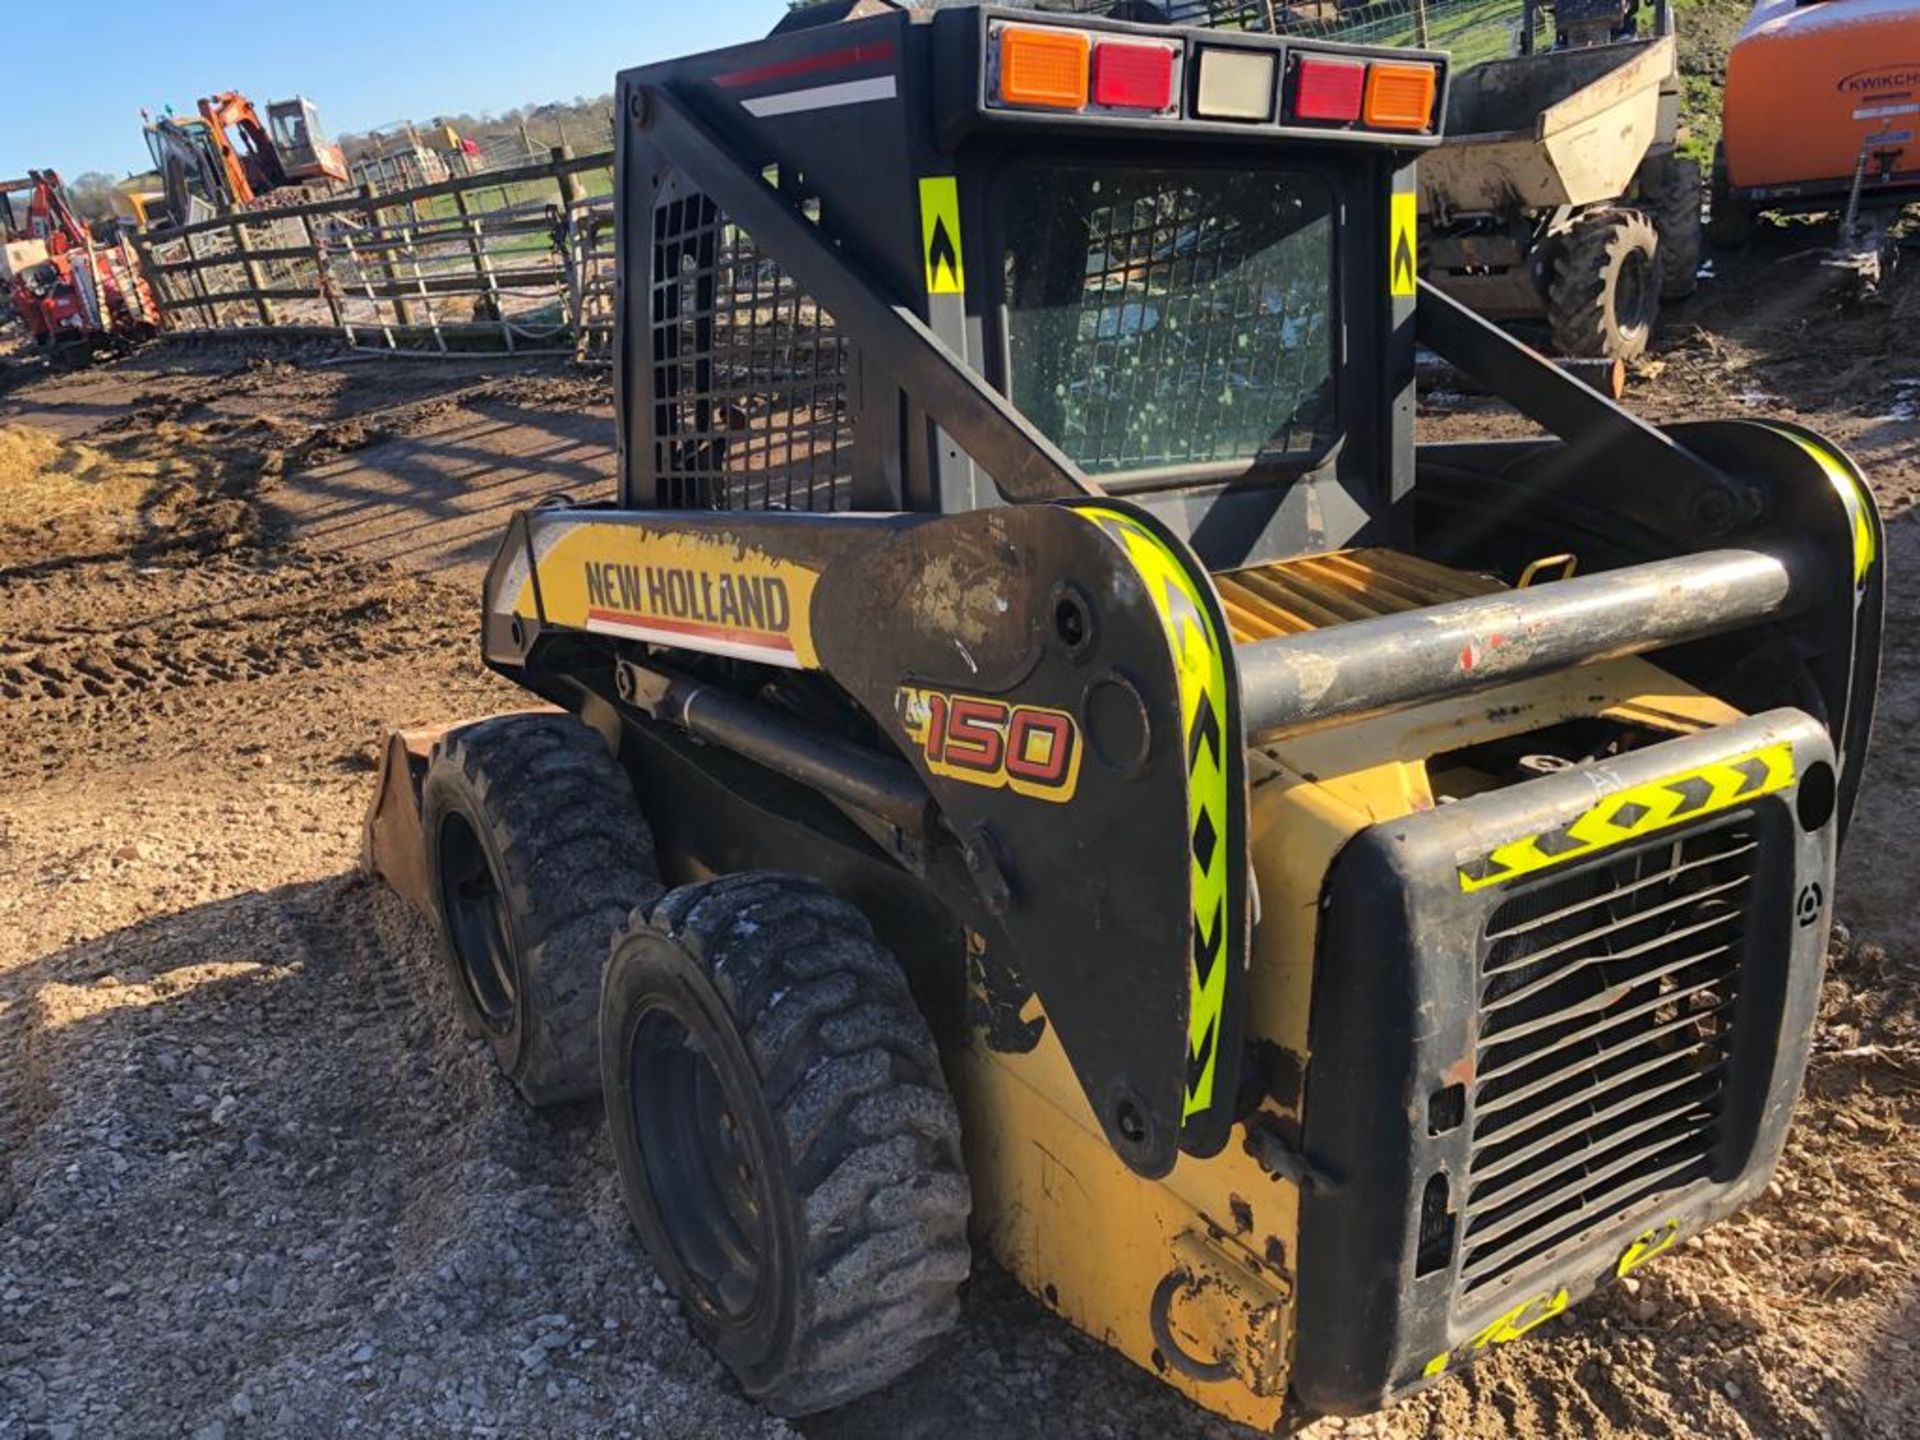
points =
(253, 1180)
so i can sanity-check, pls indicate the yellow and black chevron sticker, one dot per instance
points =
(1512, 1326)
(940, 235)
(1403, 214)
(1646, 1246)
(1640, 810)
(1200, 662)
(1853, 495)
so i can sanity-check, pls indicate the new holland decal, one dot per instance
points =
(1639, 810)
(702, 592)
(1200, 661)
(983, 741)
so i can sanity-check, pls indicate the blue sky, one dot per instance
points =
(73, 100)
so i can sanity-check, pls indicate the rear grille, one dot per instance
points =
(1310, 592)
(1605, 1025)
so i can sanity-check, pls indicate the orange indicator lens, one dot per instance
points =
(1043, 67)
(1400, 97)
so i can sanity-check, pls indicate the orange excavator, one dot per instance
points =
(231, 158)
(1822, 107)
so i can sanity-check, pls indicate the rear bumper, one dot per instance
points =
(1556, 1027)
(1825, 194)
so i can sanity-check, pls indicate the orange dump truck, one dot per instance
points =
(1822, 105)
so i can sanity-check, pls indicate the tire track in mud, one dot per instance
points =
(102, 632)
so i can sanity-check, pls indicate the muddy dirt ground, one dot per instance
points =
(255, 1181)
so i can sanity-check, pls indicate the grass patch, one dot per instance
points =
(60, 497)
(1707, 30)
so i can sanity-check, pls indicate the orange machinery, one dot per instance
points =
(286, 149)
(1823, 96)
(230, 158)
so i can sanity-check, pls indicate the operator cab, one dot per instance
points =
(297, 133)
(1184, 260)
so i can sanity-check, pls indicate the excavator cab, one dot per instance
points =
(301, 140)
(253, 165)
(189, 167)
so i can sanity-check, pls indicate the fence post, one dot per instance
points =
(256, 277)
(483, 266)
(153, 277)
(207, 312)
(570, 259)
(403, 312)
(569, 184)
(420, 280)
(322, 275)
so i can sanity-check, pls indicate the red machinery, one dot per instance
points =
(82, 293)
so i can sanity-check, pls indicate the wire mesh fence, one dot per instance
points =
(517, 259)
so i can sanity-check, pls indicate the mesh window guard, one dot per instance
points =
(1160, 317)
(749, 375)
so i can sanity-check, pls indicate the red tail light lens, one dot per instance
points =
(1133, 77)
(1328, 90)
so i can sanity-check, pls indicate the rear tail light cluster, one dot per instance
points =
(1133, 77)
(1053, 69)
(1047, 67)
(1369, 94)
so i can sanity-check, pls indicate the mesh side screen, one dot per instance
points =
(749, 375)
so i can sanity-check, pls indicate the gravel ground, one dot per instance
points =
(255, 1181)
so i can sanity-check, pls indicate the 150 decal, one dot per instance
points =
(1026, 748)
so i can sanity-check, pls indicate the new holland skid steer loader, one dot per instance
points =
(1036, 758)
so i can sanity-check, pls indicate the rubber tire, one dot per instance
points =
(1674, 197)
(570, 854)
(1583, 296)
(1729, 220)
(852, 1137)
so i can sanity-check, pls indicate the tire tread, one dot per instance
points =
(1580, 299)
(852, 1080)
(577, 856)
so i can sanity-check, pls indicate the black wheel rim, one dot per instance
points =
(477, 923)
(708, 1186)
(1633, 293)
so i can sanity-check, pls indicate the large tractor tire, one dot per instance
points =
(1605, 292)
(1674, 193)
(787, 1147)
(536, 852)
